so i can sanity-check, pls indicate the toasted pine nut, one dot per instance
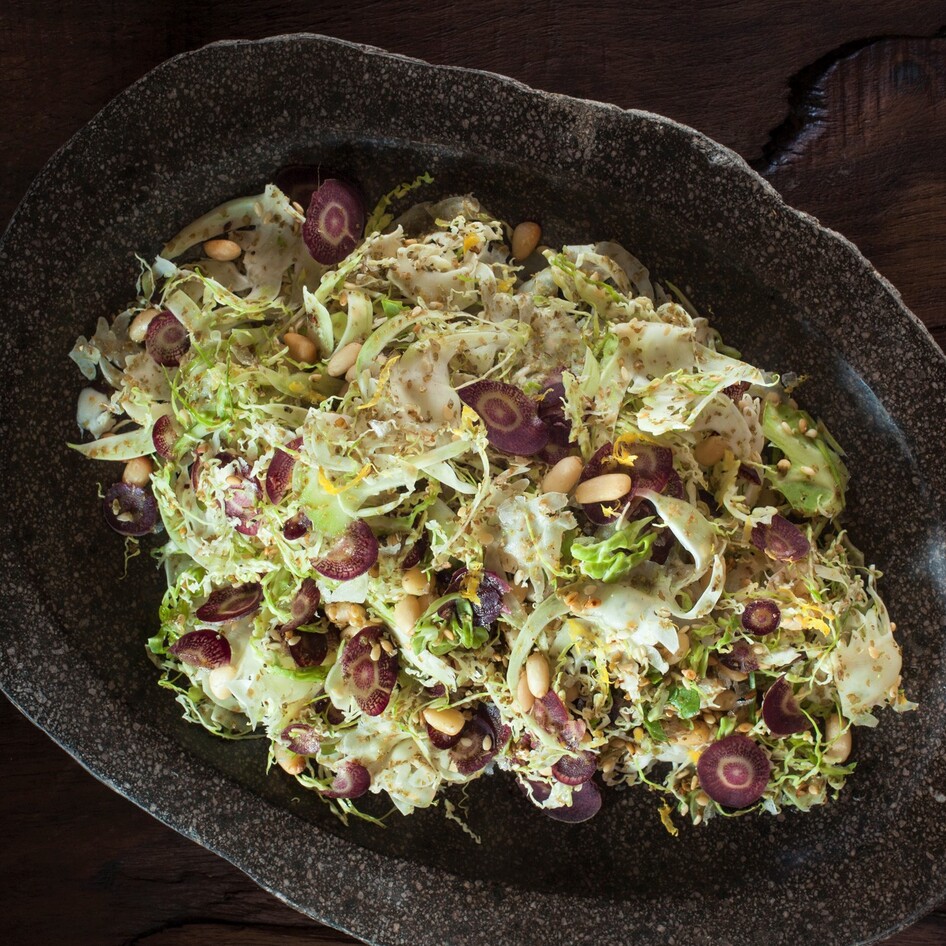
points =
(415, 582)
(683, 648)
(222, 250)
(137, 472)
(448, 721)
(603, 489)
(839, 743)
(744, 727)
(406, 613)
(737, 676)
(139, 325)
(525, 238)
(524, 694)
(217, 681)
(376, 651)
(387, 646)
(288, 761)
(563, 476)
(710, 451)
(343, 359)
(357, 615)
(301, 349)
(537, 675)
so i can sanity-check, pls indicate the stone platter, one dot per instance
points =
(215, 123)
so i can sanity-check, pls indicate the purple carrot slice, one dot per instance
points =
(574, 770)
(130, 510)
(740, 658)
(501, 732)
(749, 474)
(780, 710)
(352, 780)
(440, 739)
(471, 753)
(279, 474)
(164, 435)
(586, 802)
(490, 593)
(551, 713)
(228, 604)
(781, 540)
(369, 671)
(166, 340)
(301, 738)
(310, 650)
(304, 606)
(551, 411)
(734, 771)
(334, 222)
(205, 649)
(761, 617)
(652, 468)
(297, 526)
(512, 421)
(416, 553)
(351, 555)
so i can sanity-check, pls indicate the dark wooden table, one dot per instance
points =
(841, 105)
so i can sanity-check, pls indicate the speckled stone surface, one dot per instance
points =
(216, 123)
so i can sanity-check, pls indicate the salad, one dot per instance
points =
(436, 501)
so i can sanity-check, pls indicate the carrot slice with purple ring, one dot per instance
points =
(205, 649)
(780, 540)
(511, 418)
(228, 604)
(369, 671)
(334, 222)
(734, 771)
(167, 340)
(130, 510)
(761, 617)
(353, 553)
(780, 710)
(351, 780)
(279, 474)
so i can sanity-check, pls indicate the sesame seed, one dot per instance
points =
(487, 743)
(802, 425)
(807, 470)
(786, 428)
(811, 434)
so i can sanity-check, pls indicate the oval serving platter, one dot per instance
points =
(790, 294)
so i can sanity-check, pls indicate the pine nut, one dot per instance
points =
(222, 250)
(802, 425)
(218, 680)
(375, 652)
(288, 761)
(523, 694)
(563, 476)
(301, 349)
(139, 325)
(537, 675)
(343, 359)
(702, 799)
(137, 472)
(448, 721)
(603, 489)
(487, 743)
(839, 743)
(737, 676)
(357, 615)
(710, 451)
(406, 613)
(525, 238)
(744, 727)
(415, 582)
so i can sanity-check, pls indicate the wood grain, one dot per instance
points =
(864, 150)
(859, 142)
